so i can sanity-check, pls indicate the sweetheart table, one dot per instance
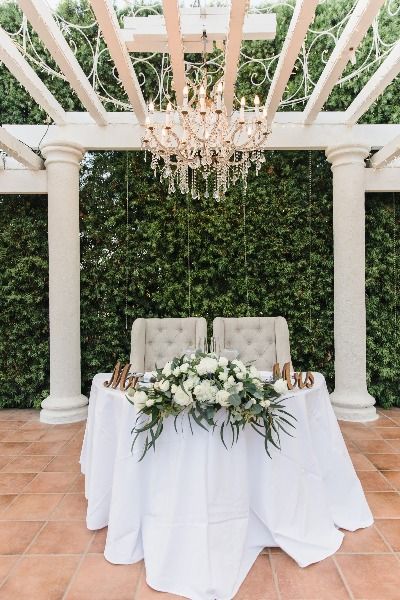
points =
(199, 514)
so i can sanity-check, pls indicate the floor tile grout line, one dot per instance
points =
(342, 577)
(78, 566)
(385, 540)
(274, 574)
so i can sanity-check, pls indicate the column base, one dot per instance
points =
(354, 406)
(56, 410)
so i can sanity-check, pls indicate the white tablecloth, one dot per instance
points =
(198, 514)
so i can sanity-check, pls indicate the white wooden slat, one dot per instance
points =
(20, 151)
(360, 20)
(383, 76)
(175, 46)
(41, 18)
(386, 154)
(303, 15)
(23, 72)
(108, 23)
(23, 181)
(233, 43)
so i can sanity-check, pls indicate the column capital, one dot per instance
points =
(347, 154)
(62, 152)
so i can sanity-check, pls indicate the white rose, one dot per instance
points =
(239, 386)
(254, 372)
(207, 365)
(223, 376)
(174, 388)
(265, 403)
(240, 375)
(182, 398)
(223, 362)
(222, 397)
(190, 383)
(176, 372)
(167, 369)
(239, 364)
(205, 391)
(157, 385)
(280, 386)
(163, 386)
(184, 368)
(150, 402)
(231, 380)
(139, 400)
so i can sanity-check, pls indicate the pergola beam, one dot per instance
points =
(303, 15)
(22, 181)
(386, 154)
(175, 46)
(41, 18)
(20, 151)
(361, 18)
(108, 23)
(233, 43)
(379, 81)
(23, 72)
(382, 180)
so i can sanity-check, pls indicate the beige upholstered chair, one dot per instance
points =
(156, 341)
(263, 340)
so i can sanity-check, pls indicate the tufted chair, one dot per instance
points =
(260, 340)
(156, 341)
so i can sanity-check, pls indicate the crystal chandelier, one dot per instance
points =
(200, 147)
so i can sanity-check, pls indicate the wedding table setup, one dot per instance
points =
(201, 465)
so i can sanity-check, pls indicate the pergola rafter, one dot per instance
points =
(302, 17)
(361, 18)
(233, 43)
(39, 14)
(386, 154)
(379, 81)
(108, 23)
(23, 72)
(20, 151)
(175, 46)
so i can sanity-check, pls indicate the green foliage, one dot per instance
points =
(135, 252)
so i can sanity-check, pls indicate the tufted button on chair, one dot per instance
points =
(156, 341)
(262, 341)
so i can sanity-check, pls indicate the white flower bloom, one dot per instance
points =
(167, 369)
(239, 386)
(163, 385)
(176, 372)
(280, 386)
(231, 380)
(222, 397)
(205, 391)
(150, 402)
(184, 368)
(254, 372)
(240, 375)
(265, 403)
(191, 382)
(207, 365)
(223, 376)
(174, 388)
(240, 365)
(139, 400)
(182, 398)
(223, 362)
(157, 385)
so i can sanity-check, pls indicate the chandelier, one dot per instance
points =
(198, 146)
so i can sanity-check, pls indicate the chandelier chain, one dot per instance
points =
(395, 270)
(127, 239)
(246, 277)
(189, 268)
(309, 240)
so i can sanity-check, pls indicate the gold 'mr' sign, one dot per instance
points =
(293, 380)
(120, 378)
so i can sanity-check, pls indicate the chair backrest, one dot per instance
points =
(260, 340)
(156, 341)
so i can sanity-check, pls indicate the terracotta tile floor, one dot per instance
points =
(46, 552)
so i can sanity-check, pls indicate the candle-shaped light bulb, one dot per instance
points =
(219, 88)
(264, 113)
(151, 107)
(185, 91)
(168, 115)
(147, 122)
(256, 101)
(202, 91)
(169, 107)
(249, 130)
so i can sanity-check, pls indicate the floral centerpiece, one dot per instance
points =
(202, 386)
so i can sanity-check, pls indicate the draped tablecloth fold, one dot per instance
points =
(199, 514)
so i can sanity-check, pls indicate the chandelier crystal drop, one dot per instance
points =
(198, 146)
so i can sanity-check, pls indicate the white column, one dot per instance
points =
(65, 404)
(351, 400)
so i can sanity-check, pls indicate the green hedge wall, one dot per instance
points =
(135, 256)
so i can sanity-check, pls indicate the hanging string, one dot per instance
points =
(395, 269)
(246, 279)
(126, 240)
(309, 240)
(189, 272)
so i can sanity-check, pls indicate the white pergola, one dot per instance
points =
(346, 144)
